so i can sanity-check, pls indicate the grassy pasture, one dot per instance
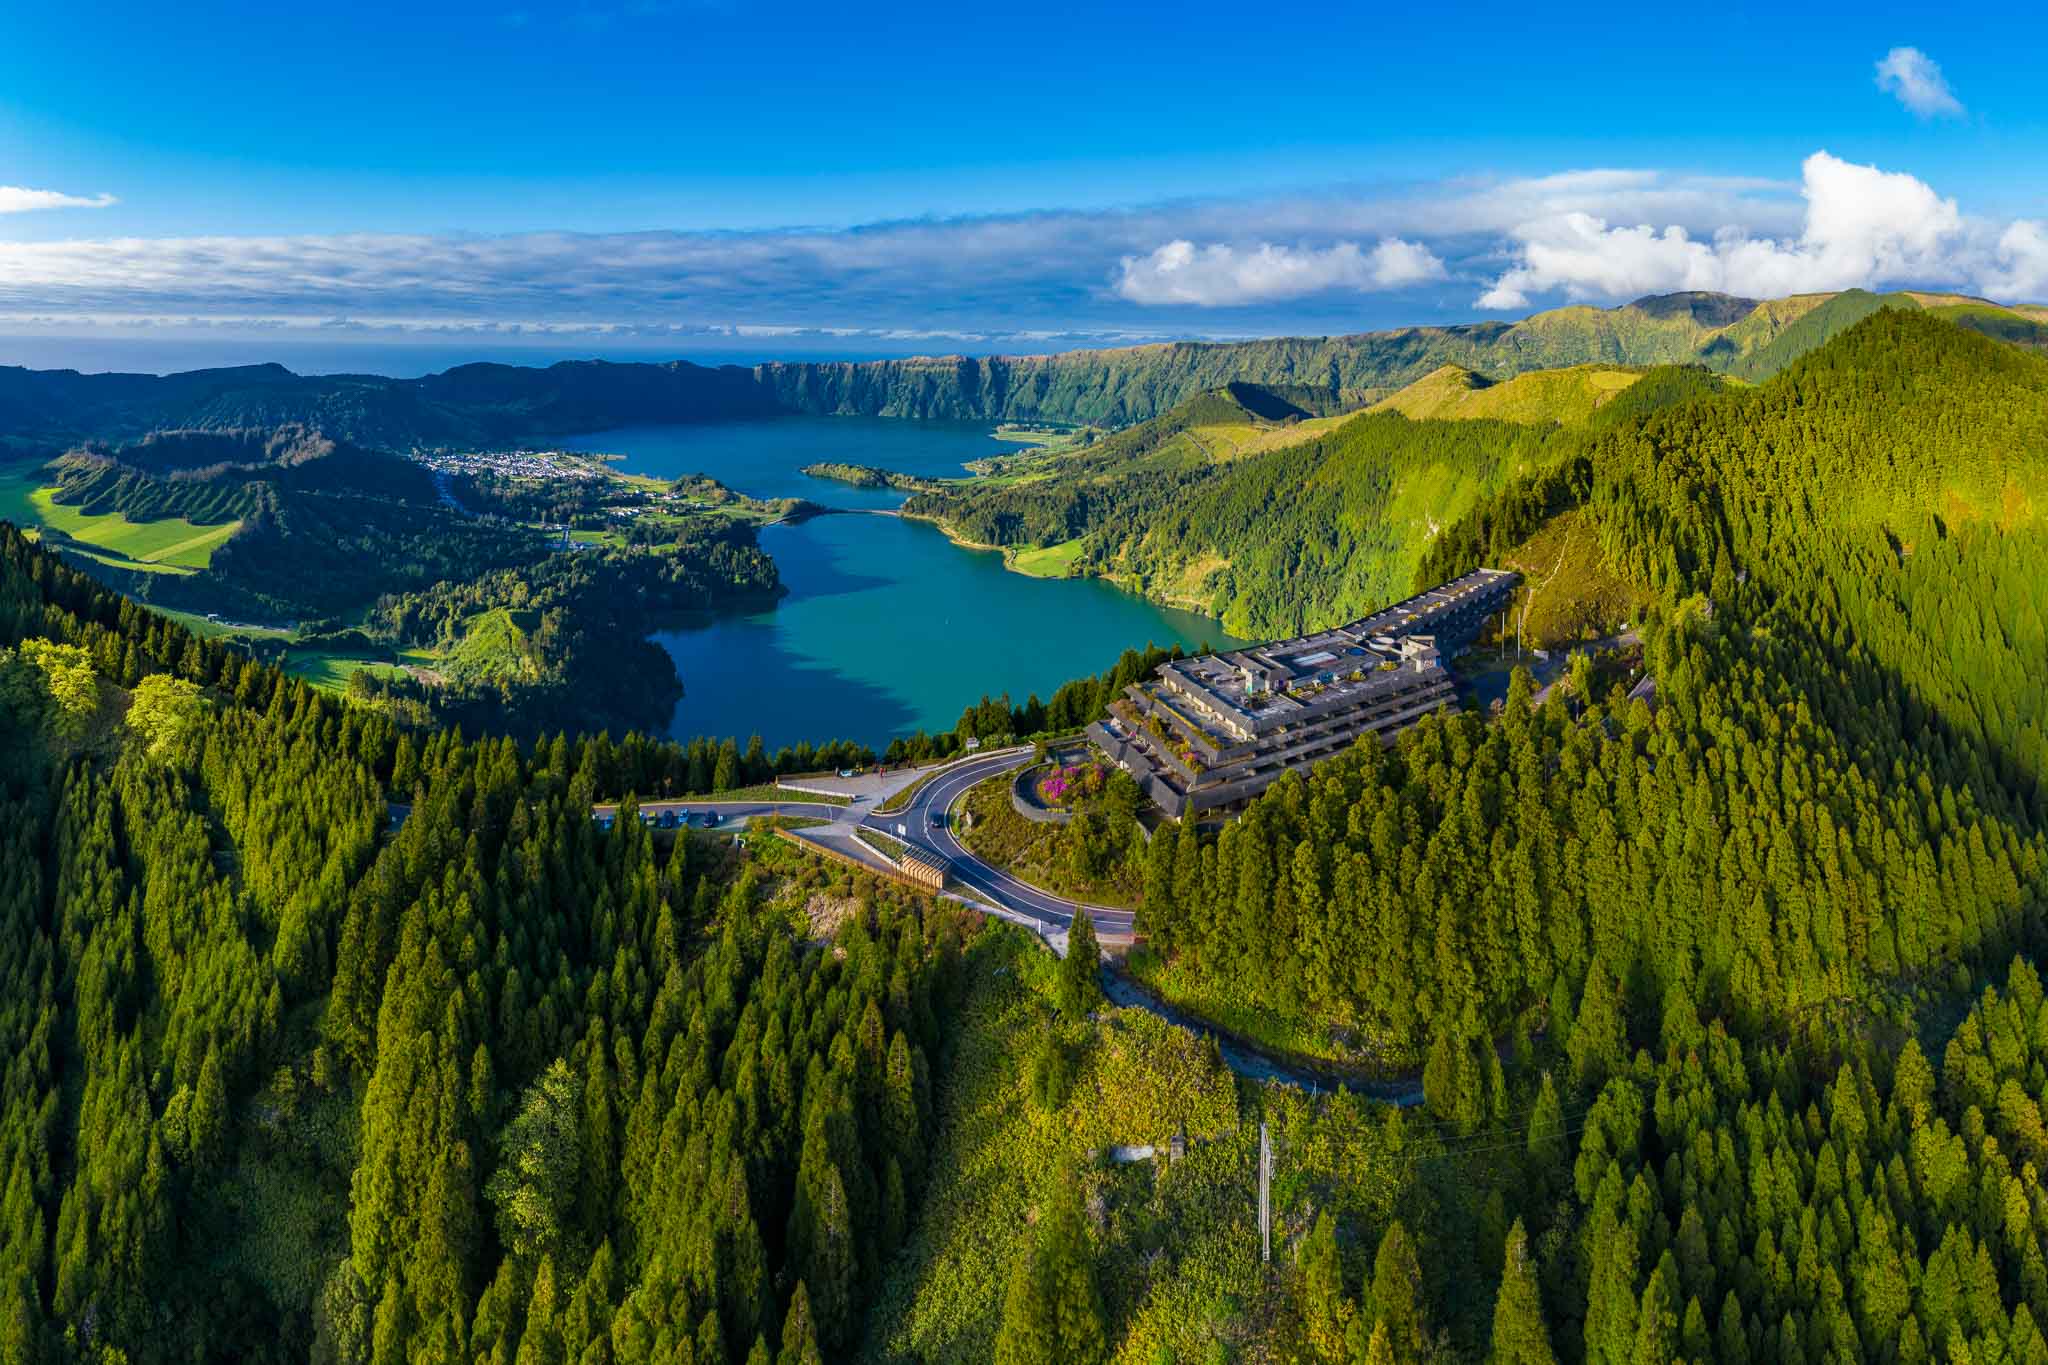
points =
(171, 544)
(1052, 561)
(330, 672)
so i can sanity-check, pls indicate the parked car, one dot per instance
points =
(668, 819)
(710, 818)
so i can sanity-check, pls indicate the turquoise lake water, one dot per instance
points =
(888, 626)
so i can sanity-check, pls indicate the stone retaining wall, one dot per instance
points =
(1024, 799)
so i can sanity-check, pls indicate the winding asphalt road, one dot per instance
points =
(929, 821)
(1050, 915)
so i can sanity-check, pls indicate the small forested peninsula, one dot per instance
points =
(1689, 1012)
(867, 476)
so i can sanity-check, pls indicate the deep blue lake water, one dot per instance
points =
(888, 626)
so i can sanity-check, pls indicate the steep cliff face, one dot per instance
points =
(1745, 337)
(1133, 384)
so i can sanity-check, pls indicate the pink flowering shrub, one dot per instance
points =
(1070, 783)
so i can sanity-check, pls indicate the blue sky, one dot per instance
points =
(677, 175)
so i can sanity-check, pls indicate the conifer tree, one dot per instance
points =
(1080, 989)
(1052, 1311)
(1069, 1269)
(799, 1336)
(1397, 1293)
(209, 1116)
(1028, 1335)
(1322, 1273)
(1519, 1336)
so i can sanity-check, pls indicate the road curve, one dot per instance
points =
(925, 831)
(1046, 913)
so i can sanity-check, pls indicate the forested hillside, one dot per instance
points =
(1278, 524)
(322, 525)
(1673, 970)
(285, 1082)
(1848, 714)
(504, 631)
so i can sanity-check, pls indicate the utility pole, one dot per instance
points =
(1265, 1195)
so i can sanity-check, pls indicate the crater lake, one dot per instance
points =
(888, 627)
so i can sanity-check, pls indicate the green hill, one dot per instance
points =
(1278, 526)
(1893, 479)
(286, 523)
(1569, 396)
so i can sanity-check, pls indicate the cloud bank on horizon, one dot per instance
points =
(1219, 267)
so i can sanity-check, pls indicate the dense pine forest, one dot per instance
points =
(286, 1081)
(331, 1038)
(1722, 910)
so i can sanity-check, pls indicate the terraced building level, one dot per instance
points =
(1209, 733)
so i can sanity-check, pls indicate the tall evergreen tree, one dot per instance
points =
(1080, 986)
(1519, 1336)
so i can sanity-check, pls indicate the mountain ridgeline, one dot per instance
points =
(44, 411)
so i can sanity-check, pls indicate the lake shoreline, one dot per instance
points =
(885, 628)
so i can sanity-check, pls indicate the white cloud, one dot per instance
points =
(1912, 77)
(1218, 275)
(15, 199)
(1863, 226)
(2021, 269)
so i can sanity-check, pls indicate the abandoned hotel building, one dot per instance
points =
(1211, 732)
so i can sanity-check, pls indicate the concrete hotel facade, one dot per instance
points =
(1212, 732)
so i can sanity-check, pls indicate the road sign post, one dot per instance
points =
(1265, 1195)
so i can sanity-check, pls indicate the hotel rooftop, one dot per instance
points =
(1213, 731)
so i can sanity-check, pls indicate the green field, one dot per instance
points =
(330, 672)
(199, 625)
(1569, 396)
(1053, 561)
(1042, 437)
(172, 545)
(16, 486)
